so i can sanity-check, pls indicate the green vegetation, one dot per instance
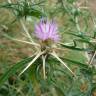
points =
(77, 28)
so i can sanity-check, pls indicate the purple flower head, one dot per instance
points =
(47, 30)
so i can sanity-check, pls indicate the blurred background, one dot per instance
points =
(11, 52)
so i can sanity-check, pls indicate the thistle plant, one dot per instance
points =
(60, 64)
(48, 38)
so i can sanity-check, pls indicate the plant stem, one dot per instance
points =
(91, 60)
(55, 55)
(44, 68)
(30, 63)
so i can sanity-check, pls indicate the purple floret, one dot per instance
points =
(45, 30)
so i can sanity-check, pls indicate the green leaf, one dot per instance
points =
(84, 41)
(82, 35)
(23, 9)
(14, 69)
(85, 66)
(35, 13)
(58, 87)
(74, 48)
(81, 65)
